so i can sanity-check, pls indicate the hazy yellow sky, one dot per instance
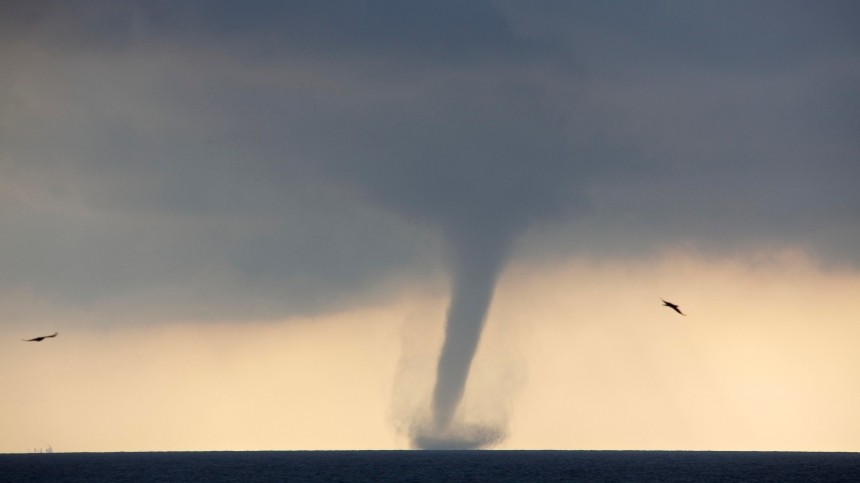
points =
(576, 355)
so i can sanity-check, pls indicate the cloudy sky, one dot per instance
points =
(248, 221)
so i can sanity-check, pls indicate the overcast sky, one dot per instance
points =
(239, 162)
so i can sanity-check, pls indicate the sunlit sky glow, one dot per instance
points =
(243, 219)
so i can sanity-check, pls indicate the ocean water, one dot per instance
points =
(434, 466)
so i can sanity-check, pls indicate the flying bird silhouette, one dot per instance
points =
(40, 339)
(673, 306)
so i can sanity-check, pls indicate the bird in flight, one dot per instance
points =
(40, 339)
(673, 306)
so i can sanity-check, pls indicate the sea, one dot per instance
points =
(434, 466)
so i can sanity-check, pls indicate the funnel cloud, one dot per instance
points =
(474, 278)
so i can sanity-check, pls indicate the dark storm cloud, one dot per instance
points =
(733, 119)
(285, 156)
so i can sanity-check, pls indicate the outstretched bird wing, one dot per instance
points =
(41, 338)
(673, 306)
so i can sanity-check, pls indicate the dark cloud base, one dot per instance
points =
(318, 151)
